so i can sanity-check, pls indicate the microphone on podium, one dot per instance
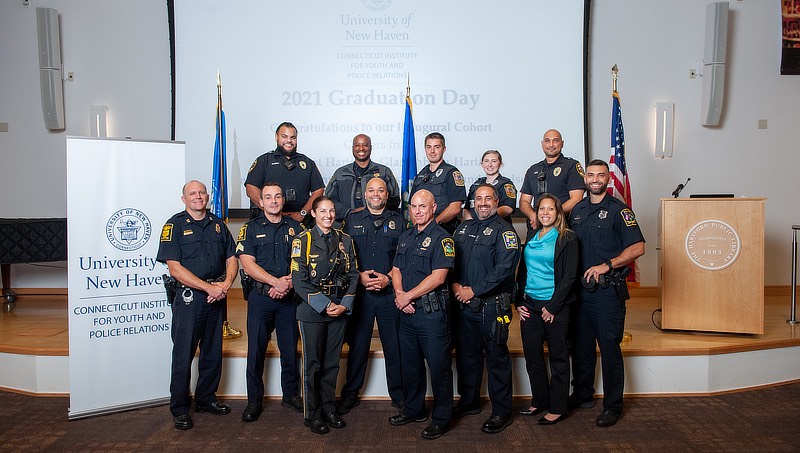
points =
(677, 192)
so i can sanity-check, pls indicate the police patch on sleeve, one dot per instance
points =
(253, 166)
(295, 267)
(239, 247)
(628, 217)
(296, 247)
(242, 233)
(458, 178)
(511, 192)
(579, 169)
(510, 239)
(166, 233)
(448, 247)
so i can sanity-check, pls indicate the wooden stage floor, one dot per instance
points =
(38, 325)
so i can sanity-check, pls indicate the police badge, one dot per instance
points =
(556, 171)
(603, 214)
(438, 172)
(426, 242)
(392, 225)
(303, 164)
(487, 231)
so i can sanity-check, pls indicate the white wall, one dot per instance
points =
(119, 54)
(655, 43)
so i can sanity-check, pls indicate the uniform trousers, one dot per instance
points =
(370, 306)
(322, 349)
(264, 316)
(474, 342)
(550, 394)
(198, 323)
(598, 322)
(426, 336)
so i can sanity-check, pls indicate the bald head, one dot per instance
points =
(362, 149)
(552, 143)
(376, 195)
(422, 208)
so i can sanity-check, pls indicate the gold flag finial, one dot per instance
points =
(614, 73)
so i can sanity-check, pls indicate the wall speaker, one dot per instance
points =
(714, 58)
(51, 82)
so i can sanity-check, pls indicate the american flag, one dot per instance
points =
(620, 185)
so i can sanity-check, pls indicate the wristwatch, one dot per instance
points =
(608, 263)
(303, 212)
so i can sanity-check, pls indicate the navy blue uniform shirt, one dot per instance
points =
(269, 243)
(558, 178)
(375, 238)
(201, 246)
(506, 192)
(446, 184)
(298, 176)
(487, 253)
(421, 252)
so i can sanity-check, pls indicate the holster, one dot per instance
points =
(247, 284)
(503, 318)
(171, 286)
(618, 278)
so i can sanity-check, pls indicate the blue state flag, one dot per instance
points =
(219, 181)
(409, 158)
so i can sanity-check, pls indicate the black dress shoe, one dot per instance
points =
(607, 418)
(348, 402)
(530, 413)
(459, 411)
(403, 419)
(575, 403)
(434, 431)
(215, 408)
(251, 413)
(545, 421)
(333, 420)
(183, 422)
(317, 426)
(294, 402)
(495, 424)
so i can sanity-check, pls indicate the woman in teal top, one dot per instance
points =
(546, 280)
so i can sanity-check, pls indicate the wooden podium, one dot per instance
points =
(711, 265)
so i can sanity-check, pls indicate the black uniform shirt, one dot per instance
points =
(269, 243)
(506, 192)
(375, 238)
(604, 230)
(201, 246)
(421, 252)
(558, 178)
(298, 176)
(446, 184)
(487, 253)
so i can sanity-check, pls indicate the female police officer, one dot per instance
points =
(324, 276)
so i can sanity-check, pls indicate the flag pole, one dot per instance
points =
(614, 73)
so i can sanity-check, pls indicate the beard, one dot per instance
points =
(598, 190)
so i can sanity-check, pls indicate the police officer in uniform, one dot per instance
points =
(610, 239)
(443, 180)
(263, 247)
(348, 183)
(557, 174)
(425, 255)
(325, 276)
(375, 232)
(294, 172)
(491, 161)
(487, 253)
(198, 249)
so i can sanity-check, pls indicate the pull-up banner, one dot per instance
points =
(119, 193)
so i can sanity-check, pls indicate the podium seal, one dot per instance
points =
(712, 245)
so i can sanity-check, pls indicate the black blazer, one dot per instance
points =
(566, 260)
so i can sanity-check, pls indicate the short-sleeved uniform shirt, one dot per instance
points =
(487, 253)
(421, 252)
(604, 230)
(269, 243)
(446, 184)
(201, 246)
(506, 192)
(298, 176)
(558, 178)
(375, 238)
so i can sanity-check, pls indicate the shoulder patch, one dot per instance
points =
(458, 178)
(253, 166)
(448, 247)
(579, 169)
(628, 217)
(510, 239)
(511, 191)
(239, 247)
(296, 248)
(295, 267)
(242, 233)
(166, 233)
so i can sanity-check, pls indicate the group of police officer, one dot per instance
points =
(426, 285)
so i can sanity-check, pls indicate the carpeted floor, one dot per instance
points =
(757, 420)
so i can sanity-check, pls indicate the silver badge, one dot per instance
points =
(426, 242)
(603, 214)
(392, 225)
(188, 296)
(313, 273)
(487, 231)
(438, 172)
